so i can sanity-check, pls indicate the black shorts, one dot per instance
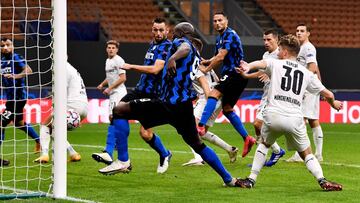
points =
(231, 86)
(136, 95)
(153, 112)
(13, 109)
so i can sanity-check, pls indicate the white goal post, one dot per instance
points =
(38, 32)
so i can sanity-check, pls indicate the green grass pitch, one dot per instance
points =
(284, 182)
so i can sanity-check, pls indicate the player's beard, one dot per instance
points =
(158, 40)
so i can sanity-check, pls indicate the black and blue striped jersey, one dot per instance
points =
(178, 88)
(230, 41)
(14, 88)
(151, 83)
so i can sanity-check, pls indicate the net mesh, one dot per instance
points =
(28, 24)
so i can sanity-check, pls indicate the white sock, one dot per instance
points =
(196, 155)
(211, 137)
(44, 139)
(313, 166)
(275, 148)
(70, 149)
(259, 161)
(318, 140)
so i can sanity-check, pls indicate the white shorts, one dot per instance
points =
(114, 100)
(311, 105)
(260, 109)
(294, 129)
(199, 108)
(80, 107)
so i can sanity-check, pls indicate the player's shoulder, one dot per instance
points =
(231, 34)
(164, 45)
(179, 41)
(308, 46)
(118, 58)
(17, 57)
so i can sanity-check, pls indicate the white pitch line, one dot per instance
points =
(225, 130)
(47, 195)
(220, 154)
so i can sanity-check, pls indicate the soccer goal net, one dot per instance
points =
(26, 29)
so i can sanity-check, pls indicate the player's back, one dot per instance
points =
(289, 80)
(76, 91)
(178, 88)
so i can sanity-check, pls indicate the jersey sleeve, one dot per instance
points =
(310, 56)
(269, 66)
(120, 63)
(315, 86)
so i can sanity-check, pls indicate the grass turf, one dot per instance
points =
(284, 182)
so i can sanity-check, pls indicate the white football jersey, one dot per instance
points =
(76, 91)
(113, 70)
(210, 78)
(307, 54)
(289, 80)
(267, 55)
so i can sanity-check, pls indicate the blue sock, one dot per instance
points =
(236, 122)
(110, 140)
(213, 160)
(30, 131)
(158, 146)
(208, 110)
(122, 131)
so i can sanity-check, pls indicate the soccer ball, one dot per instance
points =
(72, 119)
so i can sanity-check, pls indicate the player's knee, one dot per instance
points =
(198, 147)
(121, 109)
(227, 109)
(145, 134)
(215, 94)
(257, 124)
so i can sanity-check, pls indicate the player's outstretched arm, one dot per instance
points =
(154, 69)
(206, 62)
(204, 85)
(26, 70)
(215, 61)
(255, 65)
(329, 96)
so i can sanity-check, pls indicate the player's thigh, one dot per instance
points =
(114, 99)
(260, 109)
(269, 133)
(232, 88)
(199, 107)
(80, 107)
(19, 110)
(183, 120)
(311, 106)
(296, 135)
(149, 112)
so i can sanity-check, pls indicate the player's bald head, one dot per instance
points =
(183, 29)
